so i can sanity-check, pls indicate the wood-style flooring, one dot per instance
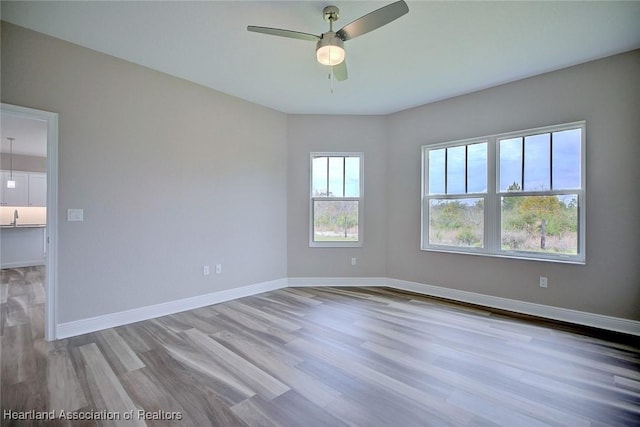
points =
(314, 357)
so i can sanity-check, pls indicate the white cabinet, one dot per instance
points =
(30, 189)
(37, 189)
(22, 246)
(17, 196)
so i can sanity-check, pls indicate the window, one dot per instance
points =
(516, 195)
(336, 199)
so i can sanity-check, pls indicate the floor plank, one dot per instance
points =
(105, 386)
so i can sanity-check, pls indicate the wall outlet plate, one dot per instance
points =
(75, 214)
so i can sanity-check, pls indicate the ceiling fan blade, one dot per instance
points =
(284, 33)
(340, 71)
(373, 20)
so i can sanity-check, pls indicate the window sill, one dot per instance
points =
(509, 255)
(335, 244)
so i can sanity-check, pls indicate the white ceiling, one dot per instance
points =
(30, 135)
(436, 51)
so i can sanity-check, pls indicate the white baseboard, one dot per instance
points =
(337, 281)
(21, 264)
(545, 311)
(93, 324)
(83, 326)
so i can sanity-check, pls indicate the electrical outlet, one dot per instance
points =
(205, 270)
(543, 282)
(218, 268)
(353, 261)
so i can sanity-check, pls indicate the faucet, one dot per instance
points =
(15, 218)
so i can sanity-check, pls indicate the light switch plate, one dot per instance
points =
(75, 214)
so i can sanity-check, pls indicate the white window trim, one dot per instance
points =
(492, 214)
(360, 200)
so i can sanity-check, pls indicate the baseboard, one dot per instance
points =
(609, 323)
(545, 311)
(93, 324)
(22, 264)
(337, 281)
(83, 326)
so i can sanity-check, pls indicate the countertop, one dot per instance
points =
(9, 227)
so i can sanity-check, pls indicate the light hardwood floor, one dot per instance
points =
(316, 357)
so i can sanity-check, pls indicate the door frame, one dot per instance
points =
(51, 259)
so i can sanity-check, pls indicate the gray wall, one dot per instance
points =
(171, 176)
(309, 133)
(605, 93)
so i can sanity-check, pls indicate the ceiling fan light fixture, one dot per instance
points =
(330, 50)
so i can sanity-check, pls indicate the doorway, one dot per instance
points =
(17, 114)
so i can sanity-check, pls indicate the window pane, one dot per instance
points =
(456, 222)
(352, 177)
(319, 176)
(477, 168)
(566, 159)
(537, 162)
(436, 171)
(336, 175)
(335, 221)
(546, 224)
(456, 170)
(511, 164)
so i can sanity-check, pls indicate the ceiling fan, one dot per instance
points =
(330, 45)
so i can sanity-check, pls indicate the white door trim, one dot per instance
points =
(51, 304)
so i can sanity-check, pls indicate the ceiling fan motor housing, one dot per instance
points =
(331, 13)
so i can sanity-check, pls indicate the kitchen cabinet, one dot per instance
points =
(30, 189)
(37, 189)
(22, 246)
(18, 196)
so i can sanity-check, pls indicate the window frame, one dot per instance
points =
(450, 196)
(492, 244)
(359, 199)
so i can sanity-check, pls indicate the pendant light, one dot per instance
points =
(10, 182)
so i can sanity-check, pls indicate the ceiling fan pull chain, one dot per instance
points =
(331, 77)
